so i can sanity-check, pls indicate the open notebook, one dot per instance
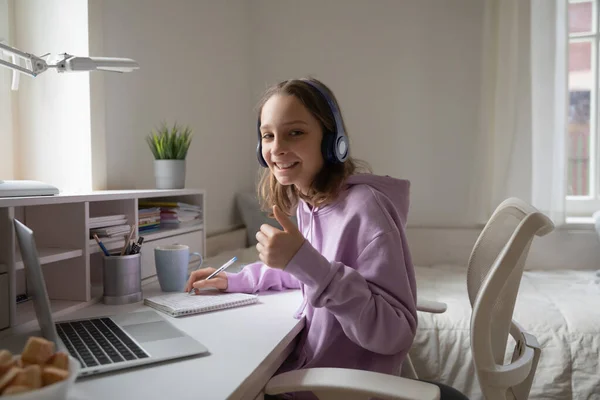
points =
(178, 304)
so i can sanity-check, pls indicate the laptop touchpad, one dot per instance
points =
(151, 331)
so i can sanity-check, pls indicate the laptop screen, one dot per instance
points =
(36, 283)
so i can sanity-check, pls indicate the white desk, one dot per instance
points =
(247, 345)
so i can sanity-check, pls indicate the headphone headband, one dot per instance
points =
(334, 146)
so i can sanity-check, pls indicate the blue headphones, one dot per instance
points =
(335, 144)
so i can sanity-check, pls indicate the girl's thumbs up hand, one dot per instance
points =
(276, 247)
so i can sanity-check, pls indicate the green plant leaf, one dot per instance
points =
(170, 143)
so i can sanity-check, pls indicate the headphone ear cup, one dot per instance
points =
(341, 148)
(259, 156)
(327, 148)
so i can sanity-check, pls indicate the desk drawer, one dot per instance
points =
(192, 239)
(4, 302)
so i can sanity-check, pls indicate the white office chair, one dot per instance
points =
(429, 306)
(494, 273)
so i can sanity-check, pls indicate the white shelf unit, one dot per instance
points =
(71, 261)
(50, 255)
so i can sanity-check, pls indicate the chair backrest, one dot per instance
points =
(494, 274)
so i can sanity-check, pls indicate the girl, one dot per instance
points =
(348, 254)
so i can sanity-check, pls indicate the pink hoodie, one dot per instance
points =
(356, 276)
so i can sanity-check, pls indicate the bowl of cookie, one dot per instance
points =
(39, 372)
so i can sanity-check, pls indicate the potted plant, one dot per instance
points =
(169, 147)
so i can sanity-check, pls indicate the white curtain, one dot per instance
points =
(550, 107)
(522, 136)
(504, 161)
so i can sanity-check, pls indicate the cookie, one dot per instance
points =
(6, 361)
(52, 375)
(30, 376)
(37, 351)
(5, 356)
(59, 360)
(8, 377)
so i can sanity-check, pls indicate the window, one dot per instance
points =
(583, 168)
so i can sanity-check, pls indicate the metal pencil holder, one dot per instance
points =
(122, 278)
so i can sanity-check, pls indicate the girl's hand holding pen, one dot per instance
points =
(198, 280)
(213, 274)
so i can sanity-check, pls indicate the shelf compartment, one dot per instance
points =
(49, 255)
(166, 232)
(110, 244)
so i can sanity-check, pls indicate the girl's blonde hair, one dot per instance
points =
(329, 181)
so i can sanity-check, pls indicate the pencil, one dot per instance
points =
(106, 253)
(128, 239)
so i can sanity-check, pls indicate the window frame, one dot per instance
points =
(585, 206)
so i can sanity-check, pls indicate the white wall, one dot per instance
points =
(6, 126)
(194, 69)
(54, 110)
(407, 76)
(97, 99)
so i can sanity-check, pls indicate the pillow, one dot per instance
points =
(252, 216)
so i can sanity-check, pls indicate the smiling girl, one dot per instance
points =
(349, 254)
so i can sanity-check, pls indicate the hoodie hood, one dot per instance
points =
(397, 190)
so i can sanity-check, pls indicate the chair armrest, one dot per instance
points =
(430, 306)
(351, 384)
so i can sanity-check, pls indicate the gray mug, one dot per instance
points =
(172, 263)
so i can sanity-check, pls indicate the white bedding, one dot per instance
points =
(561, 308)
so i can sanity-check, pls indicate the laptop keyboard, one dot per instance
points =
(98, 341)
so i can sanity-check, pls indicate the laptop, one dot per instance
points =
(105, 343)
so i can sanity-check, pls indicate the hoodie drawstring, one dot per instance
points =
(310, 225)
(299, 313)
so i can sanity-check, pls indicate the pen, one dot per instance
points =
(135, 248)
(106, 253)
(221, 268)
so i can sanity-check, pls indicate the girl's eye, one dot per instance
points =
(296, 133)
(267, 135)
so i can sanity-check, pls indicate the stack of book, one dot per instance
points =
(176, 214)
(148, 219)
(109, 226)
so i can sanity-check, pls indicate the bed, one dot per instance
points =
(560, 307)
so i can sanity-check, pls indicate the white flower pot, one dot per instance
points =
(169, 174)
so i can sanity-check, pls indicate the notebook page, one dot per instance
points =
(183, 303)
